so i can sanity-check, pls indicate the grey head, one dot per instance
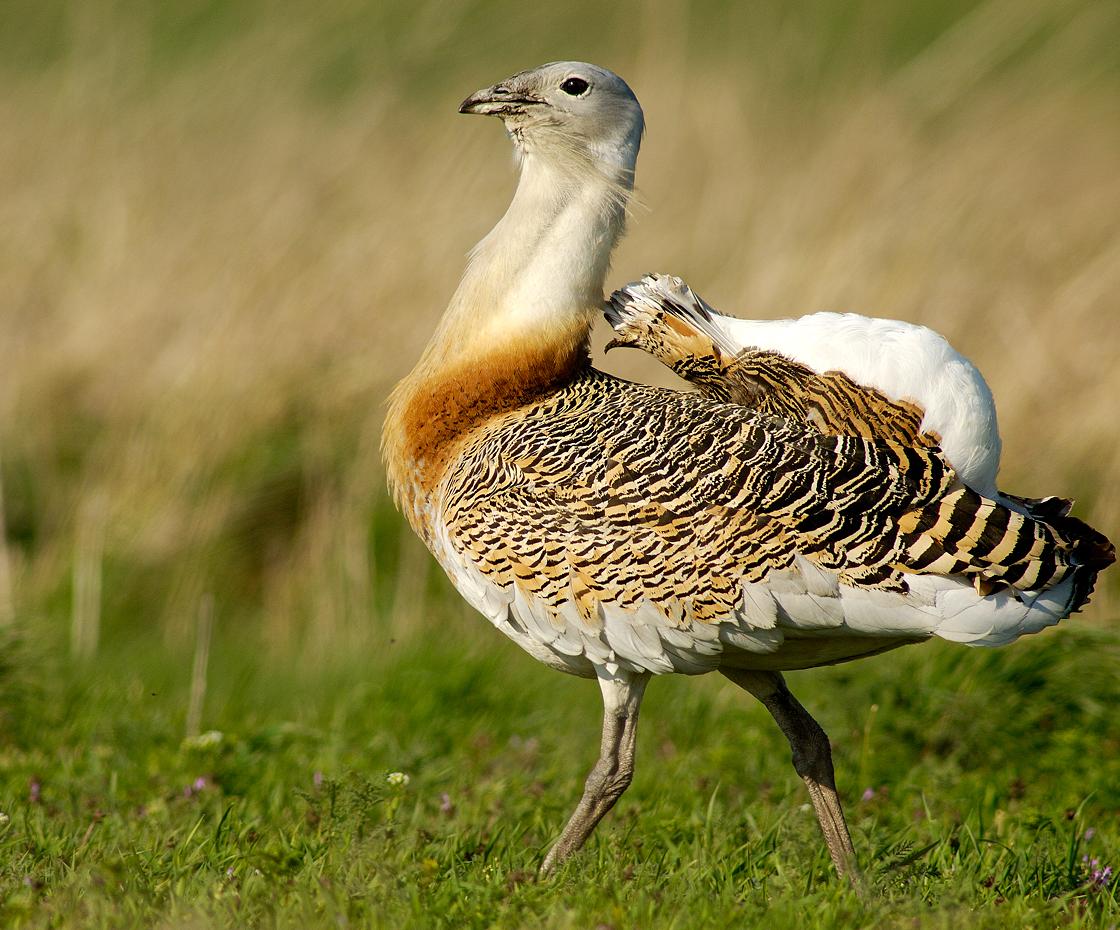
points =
(566, 107)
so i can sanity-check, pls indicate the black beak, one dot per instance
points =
(498, 100)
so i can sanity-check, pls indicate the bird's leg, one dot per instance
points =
(812, 759)
(622, 695)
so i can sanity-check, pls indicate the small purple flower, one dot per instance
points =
(1090, 833)
(229, 872)
(34, 791)
(197, 786)
(445, 805)
(868, 794)
(1100, 877)
(317, 779)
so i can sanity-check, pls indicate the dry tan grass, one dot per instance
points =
(190, 267)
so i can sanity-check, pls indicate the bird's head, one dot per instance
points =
(567, 108)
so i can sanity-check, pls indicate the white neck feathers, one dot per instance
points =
(542, 267)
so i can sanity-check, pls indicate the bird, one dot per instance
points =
(826, 492)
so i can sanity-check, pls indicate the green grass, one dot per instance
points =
(987, 770)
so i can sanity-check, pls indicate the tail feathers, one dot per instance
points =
(1090, 547)
(1042, 508)
(966, 534)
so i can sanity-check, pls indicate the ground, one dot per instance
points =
(982, 789)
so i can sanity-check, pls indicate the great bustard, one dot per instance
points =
(828, 493)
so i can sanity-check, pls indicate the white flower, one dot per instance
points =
(397, 779)
(4, 819)
(204, 740)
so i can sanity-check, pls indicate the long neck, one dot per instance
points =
(538, 275)
(519, 321)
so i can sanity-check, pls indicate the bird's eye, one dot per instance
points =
(574, 86)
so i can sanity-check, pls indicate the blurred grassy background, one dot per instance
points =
(227, 227)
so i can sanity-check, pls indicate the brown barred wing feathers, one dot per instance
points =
(613, 522)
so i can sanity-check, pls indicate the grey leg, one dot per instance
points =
(812, 759)
(622, 696)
